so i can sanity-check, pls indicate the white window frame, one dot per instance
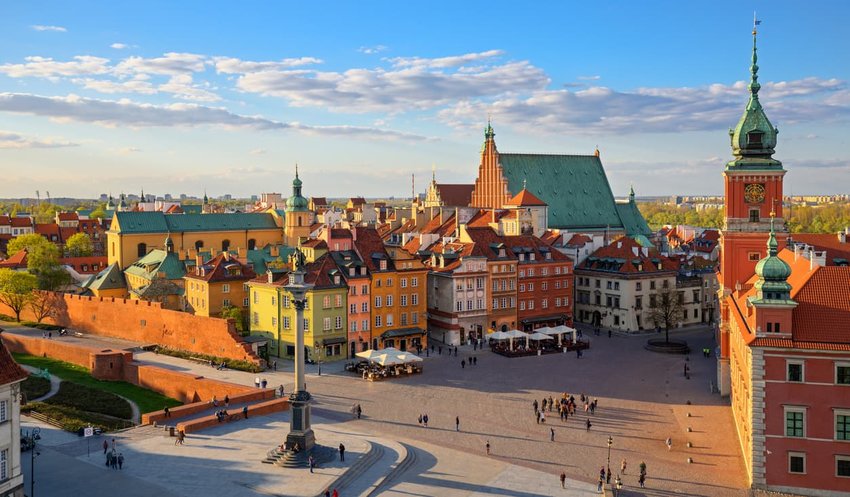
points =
(805, 463)
(326, 324)
(4, 410)
(785, 411)
(835, 414)
(4, 464)
(840, 457)
(225, 288)
(801, 363)
(835, 372)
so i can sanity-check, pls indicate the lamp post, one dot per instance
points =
(34, 436)
(318, 350)
(299, 427)
(610, 443)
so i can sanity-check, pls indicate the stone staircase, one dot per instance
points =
(287, 459)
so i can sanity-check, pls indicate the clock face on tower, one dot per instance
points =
(754, 193)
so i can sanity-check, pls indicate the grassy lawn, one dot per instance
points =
(85, 398)
(73, 419)
(35, 387)
(147, 400)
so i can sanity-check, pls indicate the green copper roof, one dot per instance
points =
(158, 261)
(633, 221)
(574, 186)
(260, 258)
(773, 273)
(108, 279)
(296, 203)
(158, 222)
(754, 138)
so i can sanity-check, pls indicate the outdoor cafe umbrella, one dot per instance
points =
(498, 335)
(408, 357)
(516, 334)
(566, 329)
(369, 355)
(558, 330)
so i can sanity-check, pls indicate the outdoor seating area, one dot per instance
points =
(546, 340)
(385, 363)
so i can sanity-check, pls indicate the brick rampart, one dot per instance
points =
(111, 364)
(260, 409)
(148, 323)
(254, 395)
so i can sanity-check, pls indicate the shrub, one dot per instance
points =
(73, 419)
(6, 318)
(41, 326)
(88, 399)
(229, 363)
(35, 387)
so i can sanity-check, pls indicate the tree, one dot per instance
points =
(43, 304)
(665, 309)
(235, 313)
(97, 214)
(28, 242)
(16, 290)
(79, 245)
(43, 262)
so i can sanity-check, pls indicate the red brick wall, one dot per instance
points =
(261, 409)
(148, 323)
(253, 395)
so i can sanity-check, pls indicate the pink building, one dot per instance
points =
(356, 275)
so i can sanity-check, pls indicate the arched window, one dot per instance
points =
(252, 244)
(141, 249)
(225, 244)
(299, 220)
(199, 245)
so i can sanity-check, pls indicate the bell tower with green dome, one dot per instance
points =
(772, 301)
(299, 218)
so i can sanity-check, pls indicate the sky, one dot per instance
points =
(366, 97)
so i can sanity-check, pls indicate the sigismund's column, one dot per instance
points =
(299, 400)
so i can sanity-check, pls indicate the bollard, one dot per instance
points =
(689, 429)
(690, 445)
(690, 460)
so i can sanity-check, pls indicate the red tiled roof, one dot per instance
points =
(455, 195)
(4, 220)
(218, 269)
(621, 253)
(357, 200)
(48, 229)
(484, 238)
(823, 311)
(446, 228)
(17, 261)
(174, 209)
(340, 233)
(21, 222)
(10, 372)
(94, 263)
(552, 237)
(787, 343)
(579, 240)
(825, 241)
(525, 199)
(315, 243)
(68, 216)
(368, 243)
(534, 243)
(318, 201)
(318, 272)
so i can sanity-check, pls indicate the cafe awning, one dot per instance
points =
(402, 332)
(333, 341)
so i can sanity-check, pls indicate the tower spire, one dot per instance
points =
(754, 85)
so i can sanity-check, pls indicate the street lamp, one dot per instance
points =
(34, 436)
(318, 351)
(610, 443)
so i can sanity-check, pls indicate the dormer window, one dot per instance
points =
(383, 265)
(754, 139)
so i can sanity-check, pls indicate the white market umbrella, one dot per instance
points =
(498, 335)
(539, 336)
(369, 355)
(408, 357)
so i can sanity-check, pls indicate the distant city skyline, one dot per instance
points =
(100, 97)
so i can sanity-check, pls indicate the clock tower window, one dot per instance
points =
(754, 138)
(754, 215)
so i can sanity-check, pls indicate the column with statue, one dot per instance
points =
(299, 429)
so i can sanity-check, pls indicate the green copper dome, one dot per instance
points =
(296, 202)
(773, 272)
(754, 138)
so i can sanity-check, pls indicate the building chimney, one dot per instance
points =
(226, 255)
(199, 260)
(842, 237)
(270, 276)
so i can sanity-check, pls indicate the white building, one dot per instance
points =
(11, 375)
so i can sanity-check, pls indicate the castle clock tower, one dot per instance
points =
(753, 194)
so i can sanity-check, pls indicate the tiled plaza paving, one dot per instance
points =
(643, 399)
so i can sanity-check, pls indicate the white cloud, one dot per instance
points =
(126, 150)
(258, 151)
(372, 50)
(42, 27)
(10, 140)
(171, 63)
(119, 46)
(232, 65)
(135, 85)
(601, 110)
(589, 78)
(444, 62)
(182, 87)
(45, 67)
(125, 113)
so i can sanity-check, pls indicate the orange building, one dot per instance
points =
(217, 284)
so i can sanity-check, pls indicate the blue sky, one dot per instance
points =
(186, 96)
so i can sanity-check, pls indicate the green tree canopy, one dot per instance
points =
(79, 245)
(97, 214)
(28, 242)
(16, 289)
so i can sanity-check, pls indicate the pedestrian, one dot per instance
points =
(440, 349)
(114, 460)
(327, 492)
(226, 401)
(425, 420)
(281, 390)
(120, 461)
(623, 467)
(608, 476)
(105, 446)
(274, 365)
(476, 360)
(588, 424)
(358, 411)
(257, 382)
(542, 417)
(642, 480)
(420, 420)
(335, 493)
(599, 484)
(457, 423)
(113, 444)
(563, 479)
(462, 364)
(166, 412)
(49, 335)
(535, 405)
(455, 350)
(108, 459)
(551, 434)
(264, 383)
(245, 412)
(669, 443)
(341, 452)
(609, 332)
(578, 353)
(487, 446)
(312, 463)
(642, 467)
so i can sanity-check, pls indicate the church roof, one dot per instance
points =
(632, 219)
(159, 222)
(158, 261)
(109, 279)
(525, 199)
(455, 195)
(573, 186)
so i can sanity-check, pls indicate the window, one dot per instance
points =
(286, 301)
(638, 302)
(753, 256)
(352, 309)
(522, 287)
(245, 287)
(326, 324)
(245, 302)
(256, 298)
(274, 301)
(389, 319)
(414, 317)
(795, 422)
(544, 286)
(557, 284)
(378, 301)
(495, 303)
(522, 273)
(364, 289)
(597, 283)
(544, 303)
(638, 286)
(842, 466)
(754, 215)
(794, 371)
(414, 299)
(326, 302)
(842, 374)
(389, 282)
(274, 322)
(353, 326)
(338, 301)
(652, 285)
(404, 282)
(4, 410)
(225, 303)
(522, 305)
(459, 305)
(256, 318)
(286, 322)
(479, 304)
(531, 287)
(530, 305)
(414, 281)
(404, 300)
(338, 323)
(503, 303)
(306, 323)
(364, 307)
(797, 462)
(842, 425)
(389, 300)
(4, 464)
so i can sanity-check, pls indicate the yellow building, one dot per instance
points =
(108, 283)
(132, 235)
(299, 217)
(218, 284)
(325, 327)
(158, 277)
